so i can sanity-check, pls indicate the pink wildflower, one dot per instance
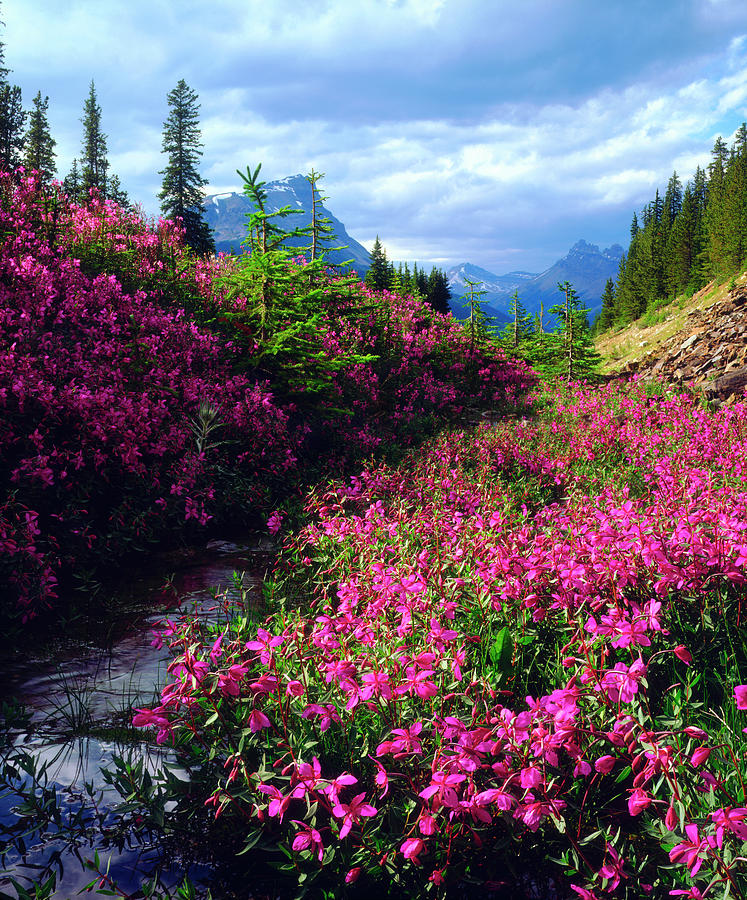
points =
(638, 801)
(308, 839)
(258, 720)
(351, 813)
(687, 853)
(411, 848)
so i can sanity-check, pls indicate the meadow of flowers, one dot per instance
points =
(136, 407)
(511, 658)
(515, 659)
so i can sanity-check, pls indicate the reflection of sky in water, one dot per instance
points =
(94, 684)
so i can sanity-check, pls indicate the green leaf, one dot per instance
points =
(502, 651)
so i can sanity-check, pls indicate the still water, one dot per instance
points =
(67, 704)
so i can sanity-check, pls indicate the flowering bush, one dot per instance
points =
(133, 406)
(503, 656)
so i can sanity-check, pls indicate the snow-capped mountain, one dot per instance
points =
(499, 289)
(495, 284)
(226, 215)
(585, 266)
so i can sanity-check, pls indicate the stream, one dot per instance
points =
(71, 701)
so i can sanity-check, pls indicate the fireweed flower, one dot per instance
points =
(275, 522)
(258, 721)
(411, 848)
(442, 787)
(326, 714)
(351, 813)
(308, 838)
(612, 870)
(638, 801)
(731, 820)
(337, 784)
(688, 852)
(264, 645)
(605, 764)
(381, 778)
(621, 683)
(279, 802)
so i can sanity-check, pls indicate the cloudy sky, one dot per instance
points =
(491, 131)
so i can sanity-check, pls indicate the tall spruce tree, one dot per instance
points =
(181, 191)
(321, 229)
(607, 315)
(71, 183)
(520, 328)
(379, 274)
(439, 292)
(574, 354)
(716, 213)
(12, 118)
(38, 148)
(94, 162)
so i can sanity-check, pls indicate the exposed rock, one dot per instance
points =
(708, 355)
(732, 383)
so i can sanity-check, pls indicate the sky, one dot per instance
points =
(496, 132)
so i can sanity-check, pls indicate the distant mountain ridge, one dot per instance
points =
(585, 266)
(226, 215)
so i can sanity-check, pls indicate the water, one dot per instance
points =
(76, 698)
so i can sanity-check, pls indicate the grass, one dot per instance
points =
(646, 335)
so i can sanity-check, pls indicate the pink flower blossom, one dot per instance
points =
(411, 848)
(308, 838)
(688, 852)
(351, 813)
(258, 720)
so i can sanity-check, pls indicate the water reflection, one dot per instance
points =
(71, 702)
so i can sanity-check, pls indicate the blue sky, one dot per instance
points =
(486, 131)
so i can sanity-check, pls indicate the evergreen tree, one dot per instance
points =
(716, 213)
(478, 324)
(181, 193)
(321, 230)
(687, 241)
(735, 188)
(572, 354)
(71, 183)
(418, 282)
(38, 150)
(116, 192)
(520, 329)
(673, 199)
(421, 283)
(439, 292)
(94, 162)
(12, 118)
(607, 315)
(379, 274)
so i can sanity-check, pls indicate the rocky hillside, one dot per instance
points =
(707, 352)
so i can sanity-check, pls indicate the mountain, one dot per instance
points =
(226, 215)
(585, 266)
(498, 290)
